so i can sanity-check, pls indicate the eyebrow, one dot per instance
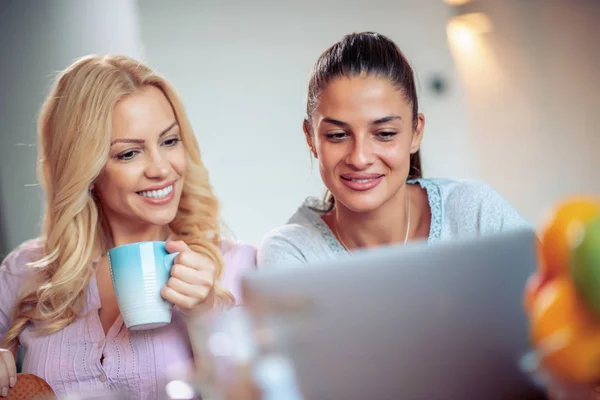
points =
(335, 122)
(386, 119)
(140, 141)
(379, 121)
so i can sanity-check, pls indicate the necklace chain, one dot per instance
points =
(337, 232)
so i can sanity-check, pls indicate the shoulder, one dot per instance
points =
(479, 205)
(304, 226)
(238, 258)
(286, 242)
(236, 253)
(14, 272)
(451, 194)
(466, 190)
(462, 192)
(472, 194)
(292, 242)
(15, 263)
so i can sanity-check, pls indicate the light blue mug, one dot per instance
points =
(139, 271)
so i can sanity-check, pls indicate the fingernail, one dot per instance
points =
(12, 381)
(4, 392)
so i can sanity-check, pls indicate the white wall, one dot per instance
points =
(241, 68)
(39, 38)
(533, 91)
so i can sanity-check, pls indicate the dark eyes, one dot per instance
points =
(336, 136)
(387, 135)
(340, 136)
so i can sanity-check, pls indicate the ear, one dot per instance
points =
(309, 138)
(415, 144)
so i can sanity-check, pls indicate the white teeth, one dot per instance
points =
(157, 194)
(361, 180)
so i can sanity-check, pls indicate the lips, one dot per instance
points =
(157, 194)
(361, 182)
(361, 176)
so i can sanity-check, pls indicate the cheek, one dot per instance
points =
(330, 157)
(397, 156)
(179, 162)
(114, 181)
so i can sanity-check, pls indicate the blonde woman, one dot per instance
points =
(119, 163)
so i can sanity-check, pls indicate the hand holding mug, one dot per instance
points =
(192, 278)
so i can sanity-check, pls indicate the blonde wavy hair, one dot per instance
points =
(74, 133)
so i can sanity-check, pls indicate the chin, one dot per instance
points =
(159, 218)
(361, 205)
(162, 220)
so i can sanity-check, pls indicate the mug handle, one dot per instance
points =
(170, 260)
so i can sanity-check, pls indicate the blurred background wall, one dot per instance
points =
(242, 69)
(510, 96)
(533, 95)
(37, 39)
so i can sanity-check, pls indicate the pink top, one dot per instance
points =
(136, 363)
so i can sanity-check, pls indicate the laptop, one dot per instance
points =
(422, 321)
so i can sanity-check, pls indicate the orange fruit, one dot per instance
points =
(537, 280)
(578, 361)
(555, 307)
(563, 332)
(532, 287)
(557, 231)
(542, 264)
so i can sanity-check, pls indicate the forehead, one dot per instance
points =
(366, 96)
(145, 112)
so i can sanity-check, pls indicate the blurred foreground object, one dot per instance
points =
(241, 357)
(30, 387)
(562, 298)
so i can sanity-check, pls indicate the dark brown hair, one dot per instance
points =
(367, 53)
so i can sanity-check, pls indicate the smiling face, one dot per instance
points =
(362, 132)
(142, 180)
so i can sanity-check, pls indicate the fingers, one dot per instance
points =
(193, 276)
(174, 246)
(8, 372)
(4, 379)
(195, 260)
(181, 301)
(198, 292)
(11, 368)
(189, 257)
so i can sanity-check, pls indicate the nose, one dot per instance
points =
(158, 167)
(360, 155)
